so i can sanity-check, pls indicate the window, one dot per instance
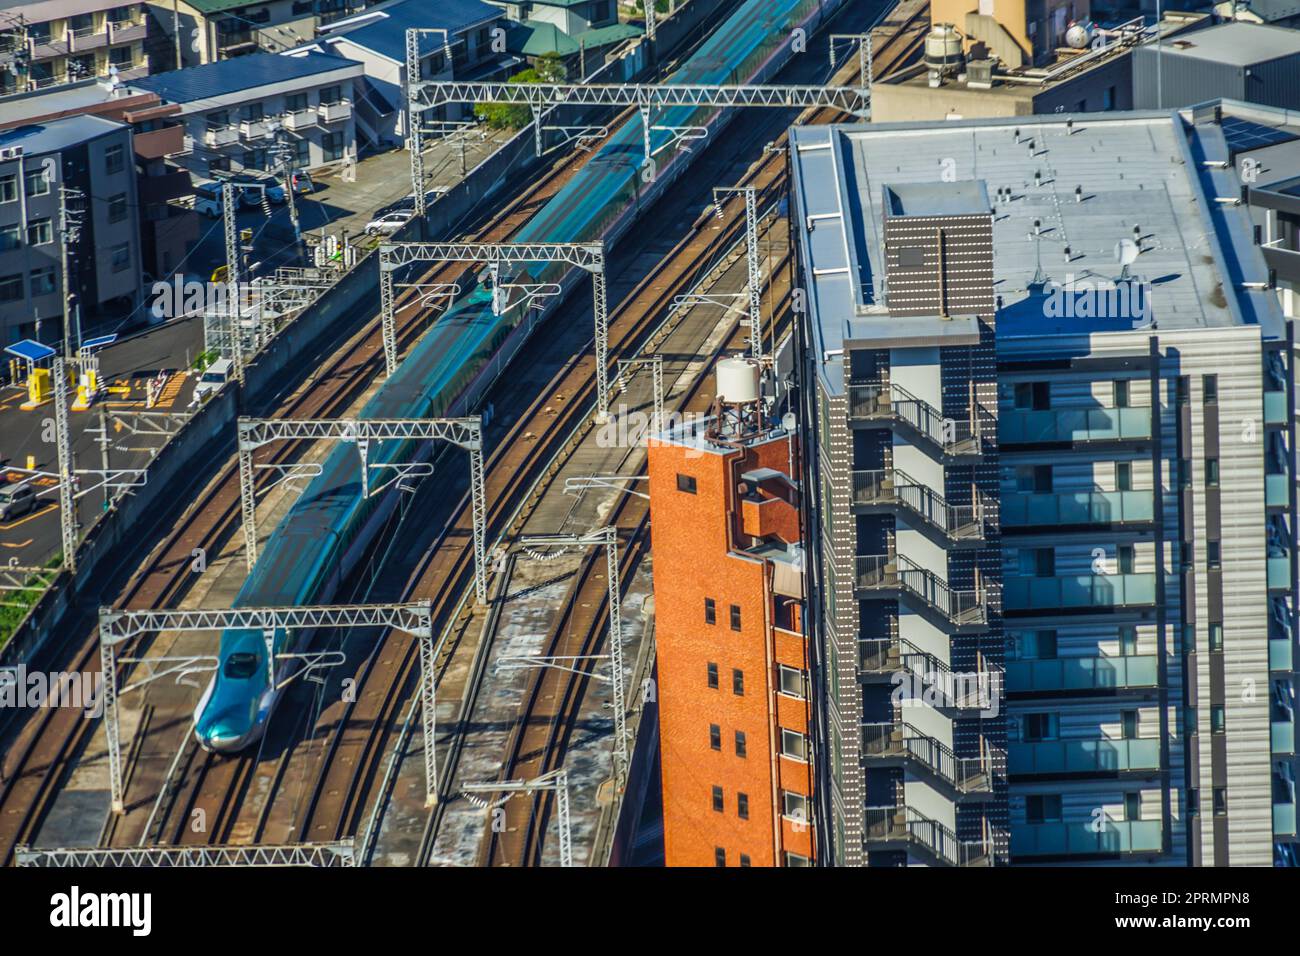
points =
(742, 806)
(1212, 554)
(302, 153)
(794, 859)
(719, 856)
(744, 859)
(254, 159)
(40, 232)
(1216, 636)
(735, 617)
(686, 483)
(738, 682)
(1034, 395)
(121, 56)
(1191, 721)
(1132, 806)
(1038, 562)
(8, 188)
(11, 288)
(1128, 720)
(43, 282)
(1211, 472)
(10, 237)
(120, 257)
(252, 112)
(1038, 727)
(710, 611)
(1128, 640)
(117, 207)
(1210, 388)
(331, 94)
(790, 681)
(715, 737)
(794, 744)
(718, 802)
(1108, 98)
(331, 145)
(1193, 802)
(1182, 390)
(1035, 478)
(295, 102)
(1126, 558)
(1218, 720)
(1184, 472)
(1220, 802)
(794, 806)
(217, 120)
(35, 183)
(1043, 808)
(1185, 556)
(220, 164)
(713, 675)
(1035, 645)
(740, 744)
(1123, 476)
(1119, 392)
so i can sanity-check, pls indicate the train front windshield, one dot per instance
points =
(241, 666)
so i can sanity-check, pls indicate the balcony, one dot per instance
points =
(1281, 737)
(335, 112)
(225, 136)
(1276, 411)
(1069, 674)
(1021, 426)
(1058, 758)
(255, 129)
(1277, 490)
(948, 525)
(1280, 655)
(901, 743)
(951, 690)
(1279, 572)
(918, 420)
(300, 119)
(1079, 509)
(1284, 819)
(1083, 592)
(924, 589)
(1119, 837)
(901, 828)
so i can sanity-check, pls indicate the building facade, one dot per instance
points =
(194, 32)
(48, 43)
(736, 745)
(1051, 459)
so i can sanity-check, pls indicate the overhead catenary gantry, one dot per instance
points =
(607, 538)
(754, 279)
(556, 781)
(588, 256)
(362, 432)
(117, 626)
(414, 127)
(337, 854)
(646, 97)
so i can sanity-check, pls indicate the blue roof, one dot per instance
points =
(386, 34)
(30, 349)
(236, 74)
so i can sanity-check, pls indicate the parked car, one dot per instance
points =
(207, 200)
(213, 377)
(388, 223)
(252, 197)
(17, 500)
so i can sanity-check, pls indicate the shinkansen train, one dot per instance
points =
(328, 530)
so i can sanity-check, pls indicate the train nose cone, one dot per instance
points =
(220, 737)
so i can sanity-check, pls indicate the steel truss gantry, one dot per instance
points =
(607, 538)
(863, 41)
(414, 127)
(464, 432)
(556, 781)
(62, 436)
(117, 626)
(588, 256)
(656, 363)
(339, 854)
(645, 96)
(755, 279)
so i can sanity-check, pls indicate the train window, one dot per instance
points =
(241, 666)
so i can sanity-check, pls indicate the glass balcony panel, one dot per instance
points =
(1053, 757)
(1275, 410)
(1081, 839)
(1277, 490)
(1081, 673)
(1279, 573)
(1282, 737)
(1027, 426)
(1081, 591)
(1284, 819)
(1280, 657)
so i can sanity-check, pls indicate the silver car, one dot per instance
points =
(17, 500)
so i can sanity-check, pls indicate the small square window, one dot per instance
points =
(8, 188)
(794, 806)
(735, 617)
(738, 682)
(1218, 720)
(740, 744)
(1213, 554)
(117, 208)
(794, 745)
(791, 681)
(713, 675)
(1043, 808)
(40, 232)
(744, 859)
(115, 159)
(1220, 802)
(1210, 388)
(1211, 472)
(794, 859)
(1216, 636)
(36, 183)
(715, 737)
(43, 282)
(710, 611)
(742, 805)
(719, 856)
(718, 802)
(120, 257)
(686, 483)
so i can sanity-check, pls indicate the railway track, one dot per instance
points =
(45, 746)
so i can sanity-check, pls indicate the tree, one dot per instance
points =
(549, 69)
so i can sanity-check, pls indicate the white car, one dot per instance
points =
(388, 223)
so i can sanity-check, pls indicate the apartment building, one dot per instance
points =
(734, 712)
(205, 31)
(580, 31)
(46, 43)
(1048, 397)
(86, 160)
(237, 114)
(1251, 62)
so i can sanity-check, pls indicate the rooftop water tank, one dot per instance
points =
(738, 381)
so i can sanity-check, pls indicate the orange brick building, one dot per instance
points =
(735, 742)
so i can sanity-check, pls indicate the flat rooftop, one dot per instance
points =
(1236, 44)
(1143, 171)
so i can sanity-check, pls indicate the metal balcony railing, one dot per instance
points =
(907, 827)
(872, 401)
(1080, 592)
(1022, 426)
(901, 739)
(1083, 673)
(1084, 839)
(1077, 508)
(978, 690)
(898, 573)
(896, 487)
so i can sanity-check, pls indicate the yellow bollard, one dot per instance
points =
(31, 462)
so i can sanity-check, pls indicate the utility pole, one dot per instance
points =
(414, 131)
(67, 500)
(232, 339)
(69, 233)
(103, 451)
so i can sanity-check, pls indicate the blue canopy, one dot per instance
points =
(99, 342)
(30, 349)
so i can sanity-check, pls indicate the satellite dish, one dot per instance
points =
(1126, 252)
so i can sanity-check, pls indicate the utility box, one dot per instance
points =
(38, 386)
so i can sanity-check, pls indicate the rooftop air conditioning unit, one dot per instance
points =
(979, 74)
